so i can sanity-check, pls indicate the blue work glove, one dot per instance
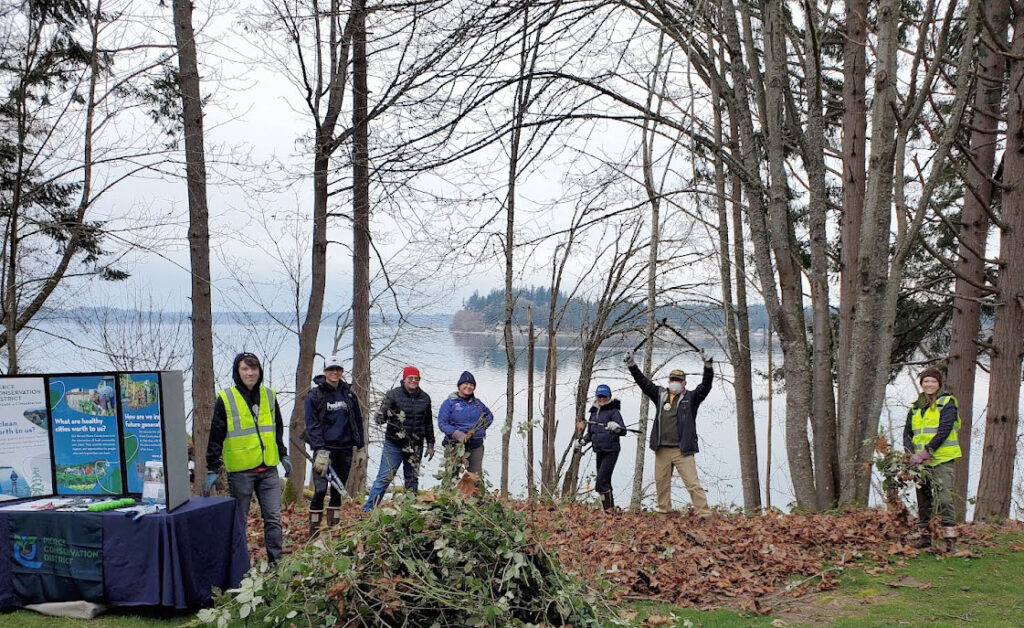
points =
(211, 479)
(287, 464)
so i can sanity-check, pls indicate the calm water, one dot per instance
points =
(442, 356)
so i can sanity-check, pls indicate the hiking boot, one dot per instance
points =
(608, 502)
(333, 517)
(925, 541)
(315, 517)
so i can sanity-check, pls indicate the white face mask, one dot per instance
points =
(675, 387)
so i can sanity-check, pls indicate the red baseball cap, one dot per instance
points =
(410, 370)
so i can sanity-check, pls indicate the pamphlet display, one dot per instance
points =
(84, 436)
(24, 439)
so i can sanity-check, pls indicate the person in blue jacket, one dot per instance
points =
(604, 427)
(334, 425)
(463, 418)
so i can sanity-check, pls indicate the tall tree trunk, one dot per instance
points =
(790, 317)
(855, 125)
(974, 227)
(999, 452)
(872, 260)
(361, 238)
(547, 462)
(531, 486)
(823, 401)
(198, 239)
(738, 345)
(654, 199)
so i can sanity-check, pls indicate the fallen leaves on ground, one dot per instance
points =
(725, 560)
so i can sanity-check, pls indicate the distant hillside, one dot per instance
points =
(486, 312)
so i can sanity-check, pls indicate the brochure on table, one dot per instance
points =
(94, 434)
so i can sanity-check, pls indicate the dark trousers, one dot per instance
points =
(267, 487)
(341, 460)
(937, 495)
(605, 466)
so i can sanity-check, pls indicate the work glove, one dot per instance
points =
(287, 464)
(708, 360)
(321, 461)
(459, 436)
(614, 427)
(380, 418)
(629, 359)
(430, 452)
(920, 457)
(211, 479)
(578, 445)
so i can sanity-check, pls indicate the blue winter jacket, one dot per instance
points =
(597, 432)
(333, 418)
(459, 413)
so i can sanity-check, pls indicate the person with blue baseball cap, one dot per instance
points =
(604, 428)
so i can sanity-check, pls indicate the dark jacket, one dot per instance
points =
(597, 432)
(947, 419)
(686, 409)
(458, 413)
(408, 416)
(333, 418)
(219, 424)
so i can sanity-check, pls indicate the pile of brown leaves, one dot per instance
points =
(726, 560)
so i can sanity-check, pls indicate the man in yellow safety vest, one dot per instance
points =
(248, 433)
(930, 437)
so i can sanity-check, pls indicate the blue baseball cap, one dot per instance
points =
(603, 391)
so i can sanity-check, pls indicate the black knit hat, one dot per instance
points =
(466, 378)
(931, 372)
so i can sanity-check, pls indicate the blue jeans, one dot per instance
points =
(390, 458)
(267, 486)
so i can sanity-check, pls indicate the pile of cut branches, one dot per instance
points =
(449, 561)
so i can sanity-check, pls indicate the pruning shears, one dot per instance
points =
(664, 323)
(332, 476)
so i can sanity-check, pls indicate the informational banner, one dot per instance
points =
(140, 412)
(56, 556)
(24, 439)
(86, 444)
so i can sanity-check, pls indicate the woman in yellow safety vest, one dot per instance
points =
(930, 436)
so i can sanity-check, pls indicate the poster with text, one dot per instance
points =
(24, 439)
(140, 411)
(86, 450)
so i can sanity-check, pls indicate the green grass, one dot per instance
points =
(129, 618)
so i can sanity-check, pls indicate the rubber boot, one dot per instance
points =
(949, 534)
(333, 517)
(926, 539)
(315, 517)
(607, 502)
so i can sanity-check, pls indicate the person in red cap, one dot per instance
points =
(406, 411)
(930, 438)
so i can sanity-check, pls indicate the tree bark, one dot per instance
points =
(855, 125)
(1000, 448)
(531, 486)
(361, 238)
(974, 227)
(198, 239)
(738, 344)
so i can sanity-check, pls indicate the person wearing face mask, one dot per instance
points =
(604, 427)
(930, 437)
(674, 431)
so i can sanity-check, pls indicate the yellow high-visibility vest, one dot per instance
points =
(925, 424)
(251, 442)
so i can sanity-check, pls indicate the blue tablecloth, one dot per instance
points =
(165, 559)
